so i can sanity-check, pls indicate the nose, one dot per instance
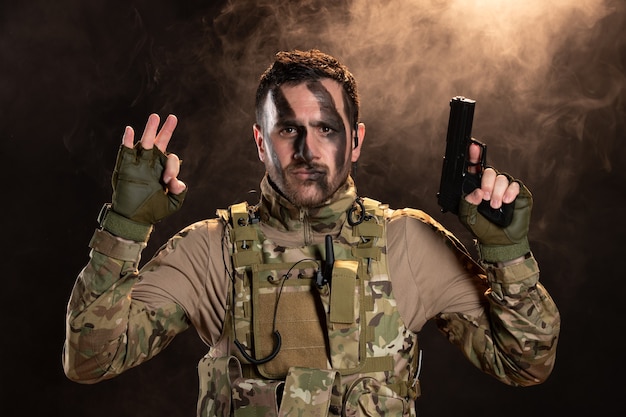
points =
(303, 146)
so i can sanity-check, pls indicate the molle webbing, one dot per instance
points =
(264, 291)
(242, 235)
(349, 327)
(292, 303)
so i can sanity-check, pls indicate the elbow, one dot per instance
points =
(76, 375)
(80, 369)
(537, 359)
(536, 375)
(542, 371)
(536, 371)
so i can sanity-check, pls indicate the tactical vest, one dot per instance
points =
(298, 341)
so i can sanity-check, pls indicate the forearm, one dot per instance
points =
(107, 331)
(515, 340)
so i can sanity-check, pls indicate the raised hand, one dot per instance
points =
(495, 188)
(145, 184)
(497, 244)
(161, 139)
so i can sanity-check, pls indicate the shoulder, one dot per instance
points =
(410, 216)
(201, 228)
(417, 227)
(202, 233)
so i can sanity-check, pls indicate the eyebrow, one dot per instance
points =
(327, 104)
(330, 115)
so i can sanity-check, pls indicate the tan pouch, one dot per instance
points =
(256, 397)
(366, 397)
(298, 315)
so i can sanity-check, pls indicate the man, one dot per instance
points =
(311, 300)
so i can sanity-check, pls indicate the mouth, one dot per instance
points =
(305, 174)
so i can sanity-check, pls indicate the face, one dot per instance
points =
(307, 141)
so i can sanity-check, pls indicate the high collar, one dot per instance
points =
(277, 212)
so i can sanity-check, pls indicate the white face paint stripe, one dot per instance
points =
(271, 117)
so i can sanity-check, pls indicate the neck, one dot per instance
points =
(278, 210)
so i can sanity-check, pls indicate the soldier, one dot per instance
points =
(310, 300)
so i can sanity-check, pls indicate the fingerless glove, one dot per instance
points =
(140, 198)
(498, 244)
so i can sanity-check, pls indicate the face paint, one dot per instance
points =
(277, 106)
(332, 117)
(306, 141)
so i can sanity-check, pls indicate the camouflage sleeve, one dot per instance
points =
(107, 332)
(516, 339)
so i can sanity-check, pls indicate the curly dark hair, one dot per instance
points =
(295, 67)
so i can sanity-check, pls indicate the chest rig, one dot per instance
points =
(313, 330)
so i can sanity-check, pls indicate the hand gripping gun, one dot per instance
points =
(456, 180)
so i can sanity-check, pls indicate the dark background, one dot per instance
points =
(549, 80)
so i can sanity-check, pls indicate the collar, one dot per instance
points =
(277, 212)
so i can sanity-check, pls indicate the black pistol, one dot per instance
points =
(456, 181)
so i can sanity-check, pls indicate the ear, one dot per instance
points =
(258, 139)
(360, 135)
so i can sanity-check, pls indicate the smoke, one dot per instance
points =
(545, 86)
(548, 80)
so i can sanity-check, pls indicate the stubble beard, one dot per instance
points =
(309, 193)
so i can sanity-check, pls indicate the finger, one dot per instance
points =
(499, 188)
(165, 134)
(149, 133)
(488, 182)
(474, 152)
(128, 138)
(511, 193)
(171, 171)
(172, 168)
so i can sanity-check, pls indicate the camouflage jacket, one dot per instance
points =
(118, 316)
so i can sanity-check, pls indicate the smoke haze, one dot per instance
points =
(549, 80)
(539, 74)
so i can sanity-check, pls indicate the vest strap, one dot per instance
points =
(248, 257)
(243, 235)
(371, 252)
(369, 229)
(378, 364)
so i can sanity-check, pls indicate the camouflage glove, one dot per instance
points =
(140, 198)
(497, 244)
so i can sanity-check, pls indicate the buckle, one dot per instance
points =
(103, 213)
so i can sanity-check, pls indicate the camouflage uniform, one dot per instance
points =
(352, 354)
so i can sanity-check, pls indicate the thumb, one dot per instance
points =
(475, 197)
(170, 173)
(176, 186)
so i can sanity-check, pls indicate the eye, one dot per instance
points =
(326, 130)
(289, 132)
